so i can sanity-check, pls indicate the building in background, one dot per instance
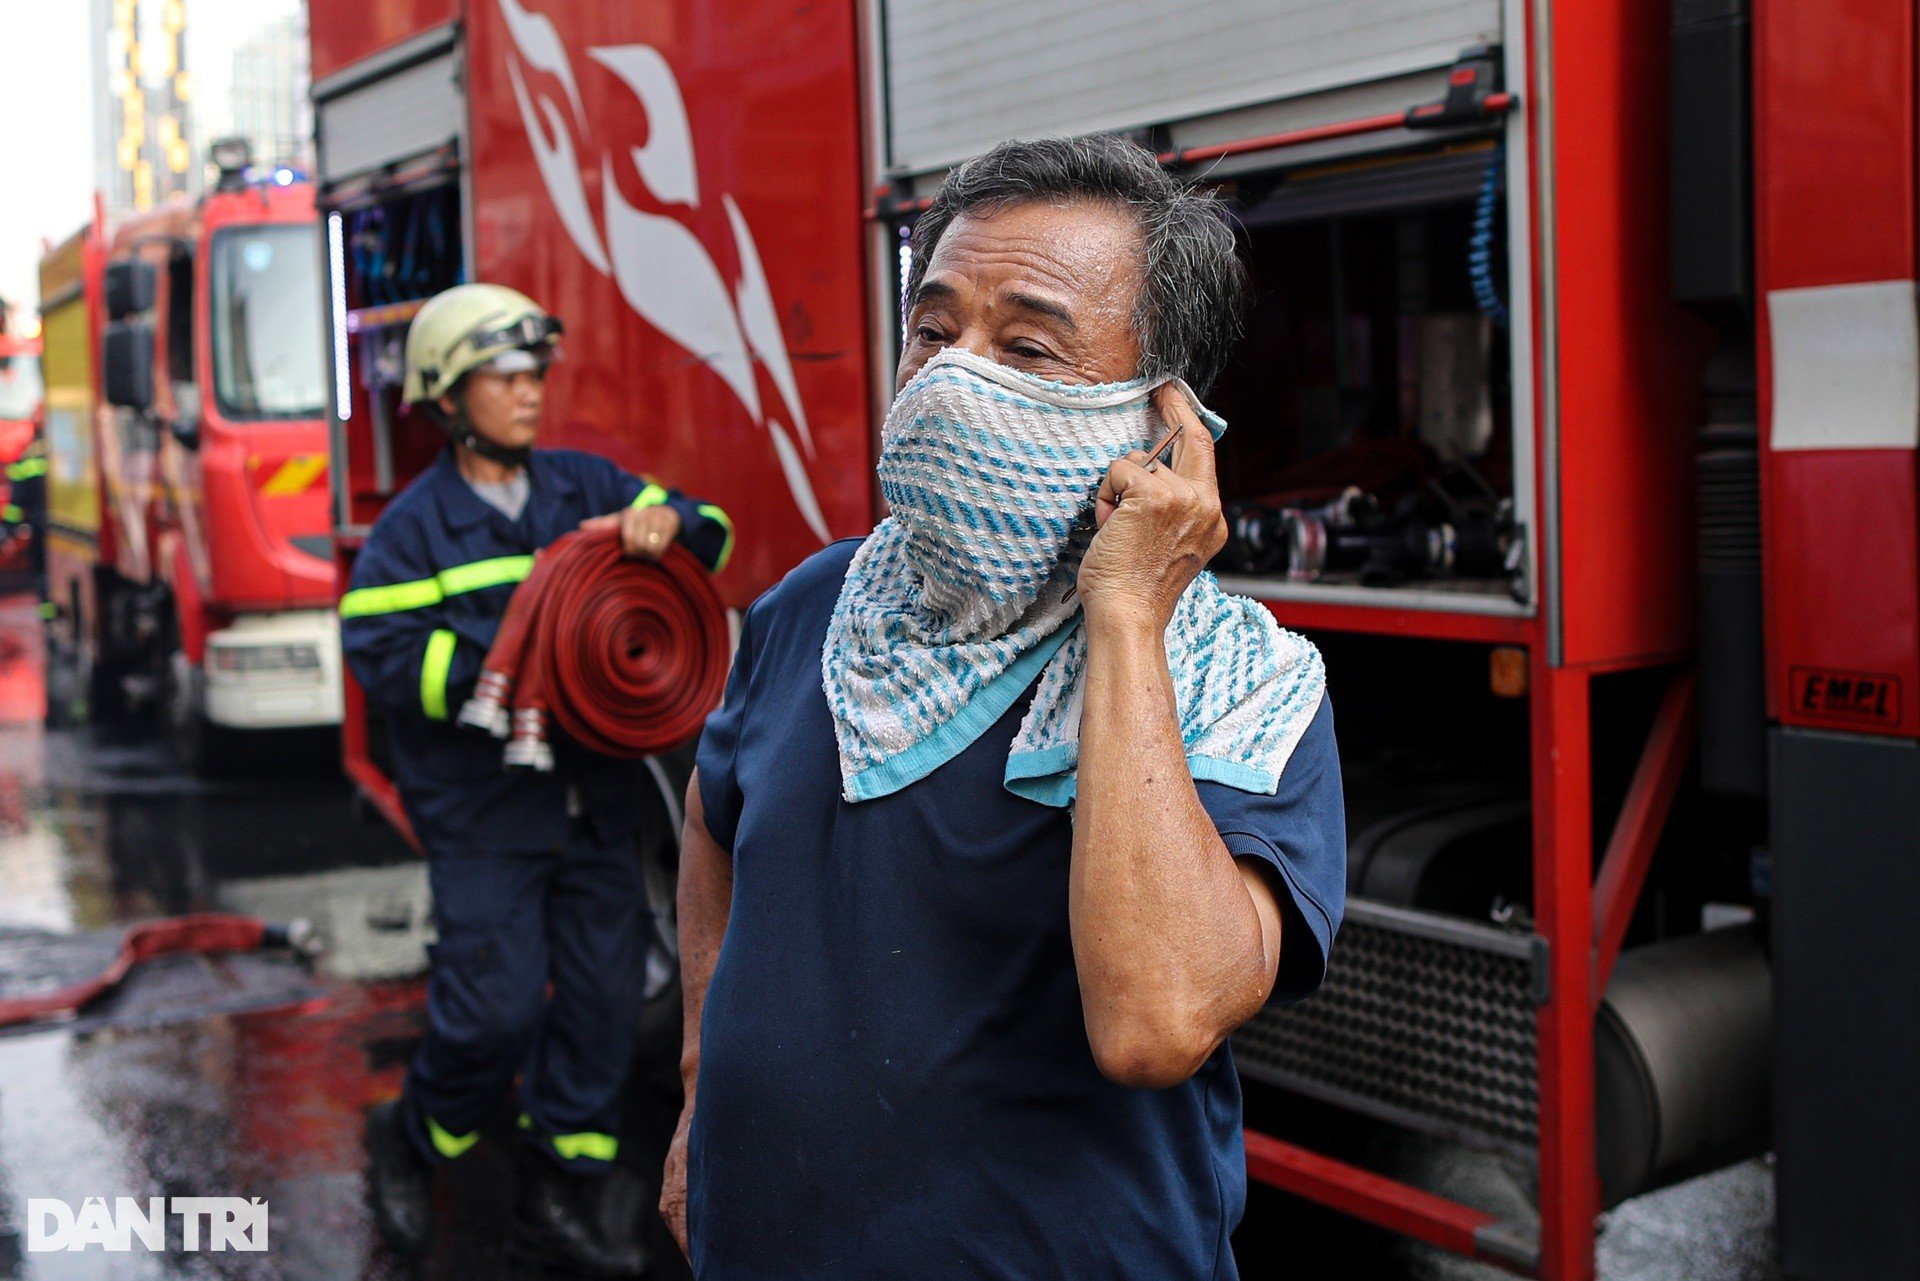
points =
(153, 121)
(108, 64)
(143, 96)
(267, 100)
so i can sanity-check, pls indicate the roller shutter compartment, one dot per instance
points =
(961, 77)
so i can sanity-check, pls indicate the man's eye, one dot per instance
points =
(1028, 351)
(926, 333)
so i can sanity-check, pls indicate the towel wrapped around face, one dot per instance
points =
(964, 596)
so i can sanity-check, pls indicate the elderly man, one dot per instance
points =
(1011, 816)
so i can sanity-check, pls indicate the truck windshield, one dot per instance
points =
(268, 350)
(19, 387)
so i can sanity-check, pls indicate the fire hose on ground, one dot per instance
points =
(206, 933)
(625, 656)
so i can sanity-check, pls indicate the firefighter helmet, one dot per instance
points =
(466, 326)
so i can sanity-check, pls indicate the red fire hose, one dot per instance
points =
(626, 656)
(206, 932)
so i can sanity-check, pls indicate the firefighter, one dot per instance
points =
(536, 884)
(25, 513)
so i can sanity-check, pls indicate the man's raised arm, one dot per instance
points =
(1176, 942)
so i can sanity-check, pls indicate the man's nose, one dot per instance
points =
(975, 340)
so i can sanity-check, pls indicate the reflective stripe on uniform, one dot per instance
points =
(434, 669)
(484, 573)
(27, 469)
(726, 549)
(593, 1146)
(392, 598)
(652, 496)
(449, 1145)
(13, 513)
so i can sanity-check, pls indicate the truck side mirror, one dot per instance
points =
(130, 286)
(126, 364)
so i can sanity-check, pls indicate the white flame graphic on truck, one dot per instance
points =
(661, 268)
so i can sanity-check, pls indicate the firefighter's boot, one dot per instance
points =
(399, 1181)
(586, 1224)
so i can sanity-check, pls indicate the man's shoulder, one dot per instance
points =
(825, 570)
(804, 599)
(815, 579)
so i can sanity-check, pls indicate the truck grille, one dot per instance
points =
(1424, 1020)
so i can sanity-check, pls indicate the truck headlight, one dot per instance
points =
(265, 658)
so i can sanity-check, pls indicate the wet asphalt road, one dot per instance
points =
(96, 833)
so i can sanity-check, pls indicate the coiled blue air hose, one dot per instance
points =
(1480, 259)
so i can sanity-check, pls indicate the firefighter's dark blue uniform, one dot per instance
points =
(534, 876)
(26, 507)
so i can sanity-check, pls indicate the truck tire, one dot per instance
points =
(68, 676)
(201, 747)
(658, 847)
(124, 676)
(107, 701)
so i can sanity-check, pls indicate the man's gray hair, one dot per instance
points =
(1187, 317)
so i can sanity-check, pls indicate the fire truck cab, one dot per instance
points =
(190, 572)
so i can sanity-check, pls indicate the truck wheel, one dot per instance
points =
(658, 847)
(117, 695)
(107, 701)
(67, 676)
(201, 746)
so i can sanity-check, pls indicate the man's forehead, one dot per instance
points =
(1074, 251)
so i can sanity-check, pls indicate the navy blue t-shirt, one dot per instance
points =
(895, 1078)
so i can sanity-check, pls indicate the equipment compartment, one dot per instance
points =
(1372, 404)
(391, 250)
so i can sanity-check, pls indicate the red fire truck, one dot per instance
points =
(190, 568)
(1564, 312)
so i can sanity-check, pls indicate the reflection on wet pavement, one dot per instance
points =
(97, 834)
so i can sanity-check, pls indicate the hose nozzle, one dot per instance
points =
(487, 709)
(528, 748)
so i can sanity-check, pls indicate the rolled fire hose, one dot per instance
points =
(626, 656)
